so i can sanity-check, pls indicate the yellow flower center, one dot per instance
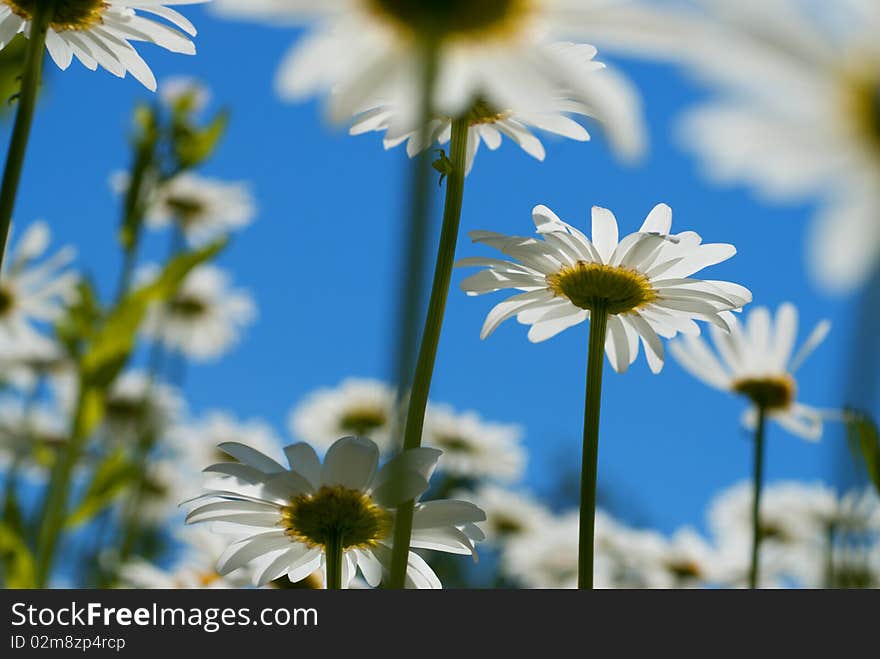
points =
(187, 306)
(362, 421)
(482, 112)
(66, 14)
(770, 393)
(451, 19)
(453, 444)
(587, 285)
(7, 301)
(185, 209)
(684, 570)
(336, 512)
(505, 525)
(861, 100)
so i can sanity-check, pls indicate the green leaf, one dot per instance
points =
(115, 340)
(78, 323)
(193, 146)
(110, 479)
(864, 440)
(19, 566)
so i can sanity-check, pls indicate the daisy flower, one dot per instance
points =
(756, 360)
(136, 404)
(205, 318)
(177, 89)
(357, 406)
(796, 115)
(30, 437)
(638, 288)
(608, 97)
(337, 516)
(99, 32)
(34, 290)
(509, 514)
(473, 448)
(504, 52)
(27, 358)
(203, 208)
(194, 569)
(196, 443)
(686, 560)
(644, 281)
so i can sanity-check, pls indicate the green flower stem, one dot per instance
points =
(830, 576)
(590, 460)
(334, 555)
(754, 570)
(418, 222)
(27, 103)
(54, 509)
(418, 399)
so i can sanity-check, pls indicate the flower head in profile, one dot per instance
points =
(504, 51)
(288, 515)
(33, 289)
(473, 448)
(643, 282)
(604, 95)
(357, 406)
(203, 209)
(206, 316)
(100, 32)
(757, 360)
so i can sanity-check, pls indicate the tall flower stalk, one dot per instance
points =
(418, 398)
(24, 118)
(633, 290)
(590, 459)
(755, 565)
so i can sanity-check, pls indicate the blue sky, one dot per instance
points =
(322, 257)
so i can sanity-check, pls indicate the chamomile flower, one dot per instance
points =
(608, 98)
(203, 209)
(643, 281)
(357, 406)
(27, 358)
(796, 115)
(135, 404)
(756, 359)
(502, 51)
(100, 32)
(206, 317)
(294, 517)
(473, 448)
(33, 290)
(510, 514)
(686, 560)
(195, 443)
(31, 436)
(194, 569)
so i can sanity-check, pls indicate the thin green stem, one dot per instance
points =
(54, 509)
(27, 103)
(418, 399)
(334, 554)
(830, 576)
(590, 458)
(418, 222)
(754, 570)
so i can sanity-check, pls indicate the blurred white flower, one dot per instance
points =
(357, 406)
(644, 281)
(474, 448)
(33, 290)
(28, 357)
(504, 52)
(136, 403)
(206, 317)
(30, 436)
(99, 32)
(605, 96)
(203, 208)
(195, 444)
(797, 116)
(686, 560)
(193, 569)
(510, 515)
(291, 515)
(755, 360)
(175, 89)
